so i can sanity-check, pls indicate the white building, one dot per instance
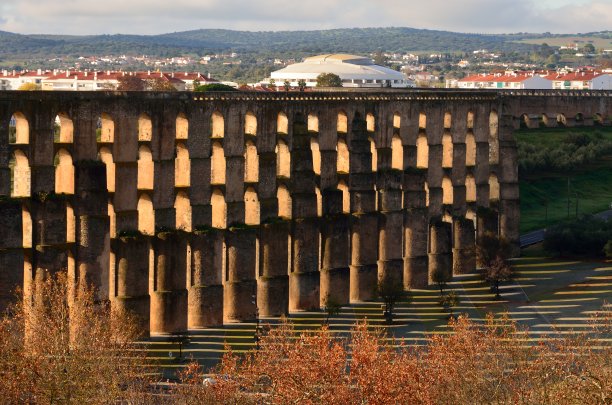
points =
(354, 71)
(582, 80)
(508, 80)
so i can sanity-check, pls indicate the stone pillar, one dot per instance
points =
(509, 185)
(239, 296)
(335, 273)
(415, 230)
(273, 277)
(12, 254)
(487, 220)
(131, 293)
(440, 256)
(205, 298)
(464, 246)
(364, 266)
(169, 295)
(390, 263)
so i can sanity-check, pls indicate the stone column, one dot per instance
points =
(131, 293)
(12, 253)
(169, 295)
(415, 230)
(273, 277)
(509, 185)
(440, 256)
(464, 248)
(390, 263)
(239, 296)
(487, 220)
(205, 298)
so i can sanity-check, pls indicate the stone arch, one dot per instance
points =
(182, 208)
(112, 219)
(146, 215)
(447, 150)
(316, 156)
(26, 226)
(70, 224)
(217, 125)
(63, 129)
(545, 120)
(219, 209)
(182, 127)
(470, 120)
(523, 121)
(447, 191)
(470, 188)
(20, 175)
(471, 215)
(422, 121)
(251, 163)
(106, 129)
(374, 153)
(598, 119)
(346, 199)
(250, 124)
(397, 153)
(64, 172)
(370, 122)
(282, 123)
(561, 120)
(19, 129)
(106, 157)
(284, 202)
(493, 187)
(422, 151)
(579, 119)
(470, 149)
(283, 160)
(493, 137)
(145, 168)
(342, 123)
(448, 120)
(342, 158)
(251, 207)
(426, 189)
(397, 120)
(182, 166)
(319, 202)
(313, 123)
(217, 175)
(145, 128)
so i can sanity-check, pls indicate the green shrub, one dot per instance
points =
(586, 236)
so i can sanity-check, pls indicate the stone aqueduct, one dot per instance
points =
(197, 209)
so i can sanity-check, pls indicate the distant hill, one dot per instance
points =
(354, 40)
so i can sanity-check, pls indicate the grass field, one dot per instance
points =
(597, 42)
(544, 195)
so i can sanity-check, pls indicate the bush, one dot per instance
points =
(214, 87)
(586, 236)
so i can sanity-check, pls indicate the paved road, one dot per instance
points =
(534, 237)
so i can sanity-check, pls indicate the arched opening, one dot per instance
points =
(219, 211)
(370, 122)
(342, 125)
(346, 199)
(217, 125)
(146, 215)
(524, 121)
(561, 121)
(470, 149)
(106, 157)
(284, 202)
(112, 219)
(316, 156)
(319, 202)
(70, 224)
(470, 189)
(145, 128)
(447, 191)
(313, 123)
(471, 215)
(374, 153)
(251, 207)
(250, 124)
(283, 160)
(145, 169)
(182, 166)
(422, 121)
(182, 127)
(19, 129)
(426, 188)
(493, 138)
(397, 120)
(397, 153)
(342, 159)
(64, 173)
(20, 175)
(182, 207)
(282, 123)
(579, 119)
(217, 175)
(251, 163)
(422, 151)
(448, 121)
(447, 150)
(493, 188)
(63, 129)
(470, 120)
(597, 119)
(26, 223)
(105, 132)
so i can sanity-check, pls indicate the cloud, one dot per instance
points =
(154, 17)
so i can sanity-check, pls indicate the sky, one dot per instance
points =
(83, 17)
